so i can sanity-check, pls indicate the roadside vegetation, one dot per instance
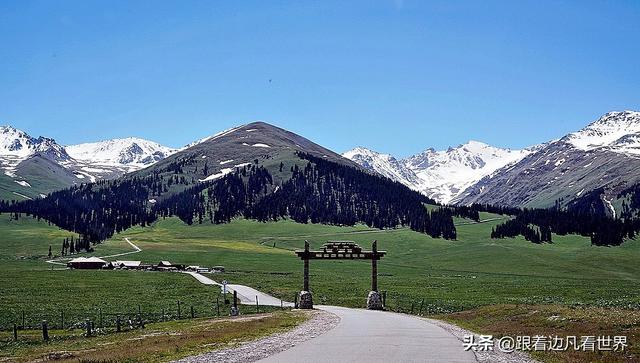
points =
(557, 320)
(158, 342)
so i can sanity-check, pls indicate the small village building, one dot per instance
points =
(197, 269)
(219, 269)
(127, 265)
(87, 263)
(166, 265)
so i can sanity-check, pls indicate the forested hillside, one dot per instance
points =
(322, 191)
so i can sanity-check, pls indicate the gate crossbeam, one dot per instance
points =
(340, 250)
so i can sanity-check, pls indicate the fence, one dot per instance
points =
(99, 319)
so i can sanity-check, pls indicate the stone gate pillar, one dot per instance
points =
(374, 299)
(305, 298)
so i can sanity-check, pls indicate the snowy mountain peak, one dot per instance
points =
(607, 131)
(131, 151)
(19, 145)
(441, 175)
(362, 152)
(15, 142)
(383, 164)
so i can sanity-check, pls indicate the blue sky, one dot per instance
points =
(396, 76)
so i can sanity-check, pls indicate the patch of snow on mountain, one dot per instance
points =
(222, 173)
(22, 195)
(23, 183)
(260, 145)
(213, 137)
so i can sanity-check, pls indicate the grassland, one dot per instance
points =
(159, 342)
(432, 275)
(556, 320)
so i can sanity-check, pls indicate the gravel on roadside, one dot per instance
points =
(489, 356)
(319, 323)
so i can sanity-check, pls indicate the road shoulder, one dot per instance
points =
(319, 323)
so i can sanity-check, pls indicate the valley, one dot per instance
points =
(247, 197)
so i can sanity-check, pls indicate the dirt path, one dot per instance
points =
(136, 249)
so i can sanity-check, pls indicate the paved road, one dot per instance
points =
(201, 278)
(247, 295)
(364, 336)
(377, 336)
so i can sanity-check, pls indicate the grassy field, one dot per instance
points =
(432, 275)
(159, 342)
(556, 320)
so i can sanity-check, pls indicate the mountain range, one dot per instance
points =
(31, 167)
(602, 158)
(441, 175)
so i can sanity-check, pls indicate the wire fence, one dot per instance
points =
(132, 317)
(401, 303)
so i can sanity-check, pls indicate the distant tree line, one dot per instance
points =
(579, 218)
(321, 191)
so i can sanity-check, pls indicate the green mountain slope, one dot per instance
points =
(218, 155)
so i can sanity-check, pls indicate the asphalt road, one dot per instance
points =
(364, 336)
(377, 336)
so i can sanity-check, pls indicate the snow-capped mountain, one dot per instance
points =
(615, 131)
(17, 145)
(602, 156)
(31, 167)
(383, 164)
(441, 175)
(132, 153)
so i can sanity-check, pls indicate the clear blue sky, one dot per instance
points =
(395, 76)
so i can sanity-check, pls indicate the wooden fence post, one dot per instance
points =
(118, 324)
(15, 332)
(45, 331)
(193, 315)
(421, 305)
(412, 303)
(257, 306)
(87, 324)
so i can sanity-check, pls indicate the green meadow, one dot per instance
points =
(419, 274)
(447, 275)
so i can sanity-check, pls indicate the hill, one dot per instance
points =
(601, 157)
